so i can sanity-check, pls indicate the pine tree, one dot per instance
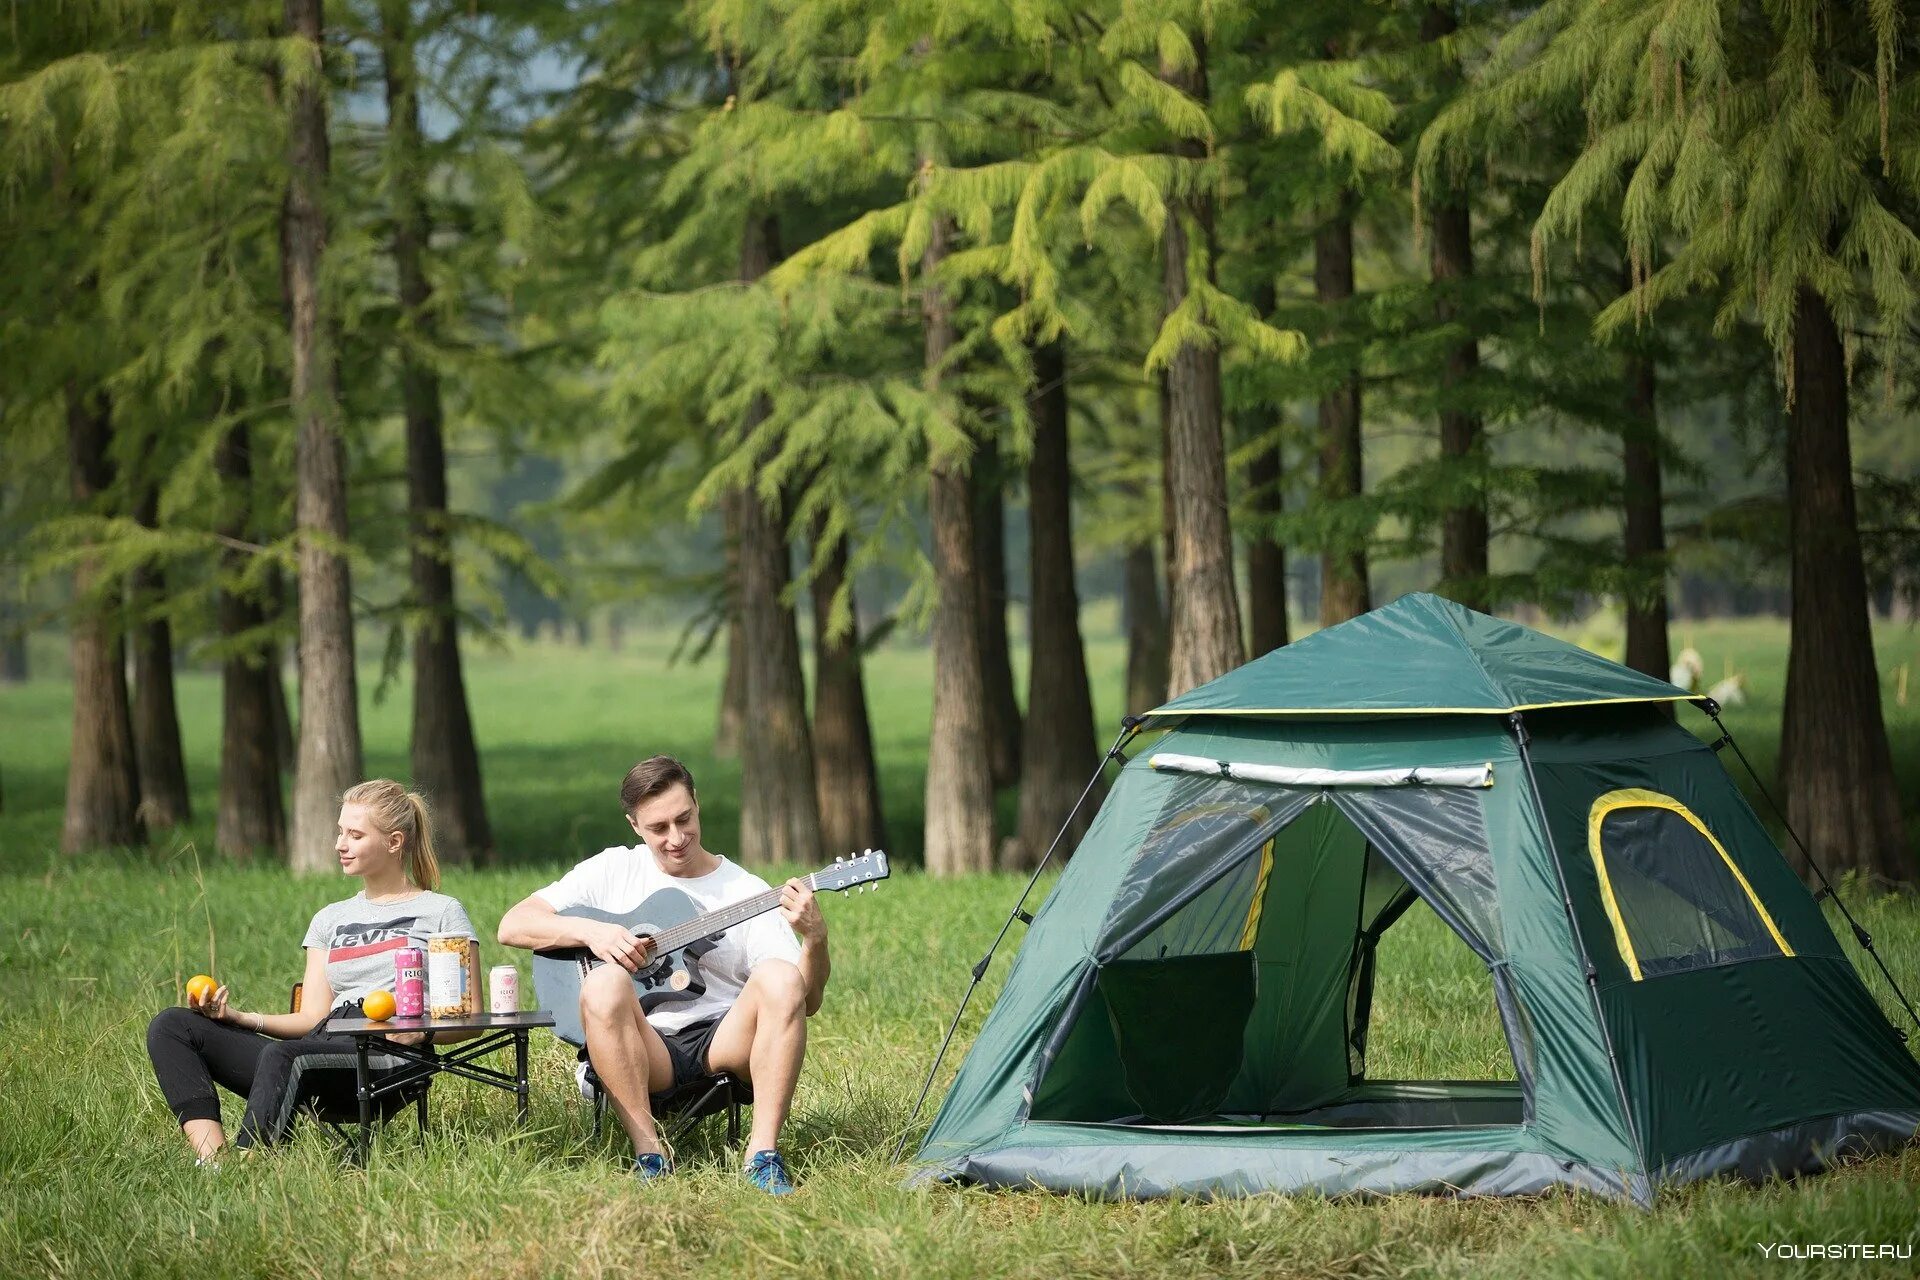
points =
(156, 721)
(446, 761)
(328, 757)
(251, 816)
(986, 478)
(1463, 526)
(847, 773)
(1059, 755)
(1753, 159)
(1206, 624)
(103, 783)
(959, 822)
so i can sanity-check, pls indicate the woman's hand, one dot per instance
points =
(214, 1006)
(406, 1037)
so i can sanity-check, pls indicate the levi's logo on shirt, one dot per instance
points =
(351, 941)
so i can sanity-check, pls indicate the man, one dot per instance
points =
(763, 980)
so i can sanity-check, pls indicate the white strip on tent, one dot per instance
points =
(1477, 775)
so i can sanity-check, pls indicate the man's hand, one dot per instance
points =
(802, 912)
(616, 944)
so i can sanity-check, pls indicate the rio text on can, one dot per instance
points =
(410, 982)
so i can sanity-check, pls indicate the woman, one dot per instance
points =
(274, 1060)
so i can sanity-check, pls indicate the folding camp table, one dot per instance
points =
(426, 1060)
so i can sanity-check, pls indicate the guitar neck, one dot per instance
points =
(719, 920)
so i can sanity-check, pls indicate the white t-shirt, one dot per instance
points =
(619, 879)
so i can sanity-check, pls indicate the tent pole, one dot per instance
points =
(1860, 935)
(1129, 725)
(1517, 723)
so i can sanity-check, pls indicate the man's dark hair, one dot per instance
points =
(651, 777)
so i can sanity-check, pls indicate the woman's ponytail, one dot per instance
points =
(423, 865)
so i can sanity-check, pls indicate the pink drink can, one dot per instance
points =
(409, 982)
(503, 989)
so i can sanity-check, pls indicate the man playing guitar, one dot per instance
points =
(758, 984)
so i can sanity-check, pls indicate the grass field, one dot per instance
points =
(97, 1181)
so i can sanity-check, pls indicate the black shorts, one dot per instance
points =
(687, 1050)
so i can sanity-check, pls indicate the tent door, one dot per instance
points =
(1305, 896)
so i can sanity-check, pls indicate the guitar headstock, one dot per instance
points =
(851, 872)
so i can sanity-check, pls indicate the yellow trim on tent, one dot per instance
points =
(1637, 798)
(1259, 896)
(1409, 711)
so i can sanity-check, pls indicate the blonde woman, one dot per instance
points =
(275, 1060)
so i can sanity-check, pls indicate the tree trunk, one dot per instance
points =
(733, 681)
(985, 480)
(156, 721)
(329, 748)
(274, 603)
(251, 816)
(103, 784)
(1206, 619)
(1146, 631)
(779, 806)
(849, 777)
(959, 820)
(1645, 539)
(1059, 752)
(446, 761)
(1266, 554)
(1344, 591)
(1463, 524)
(1834, 760)
(1169, 535)
(13, 643)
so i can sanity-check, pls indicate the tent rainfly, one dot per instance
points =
(1190, 1010)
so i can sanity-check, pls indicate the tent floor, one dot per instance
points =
(1373, 1104)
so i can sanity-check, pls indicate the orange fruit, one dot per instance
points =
(200, 989)
(378, 1006)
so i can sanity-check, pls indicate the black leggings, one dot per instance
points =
(192, 1053)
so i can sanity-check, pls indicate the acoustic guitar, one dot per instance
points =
(681, 935)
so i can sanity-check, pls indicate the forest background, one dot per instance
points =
(874, 401)
(340, 332)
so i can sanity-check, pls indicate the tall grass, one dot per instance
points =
(94, 1178)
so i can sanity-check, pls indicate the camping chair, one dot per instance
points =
(337, 1116)
(681, 1107)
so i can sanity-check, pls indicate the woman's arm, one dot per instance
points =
(316, 1001)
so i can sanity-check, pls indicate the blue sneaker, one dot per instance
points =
(768, 1172)
(650, 1165)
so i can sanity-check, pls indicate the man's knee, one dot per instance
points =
(607, 993)
(782, 989)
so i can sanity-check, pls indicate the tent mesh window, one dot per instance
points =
(1675, 898)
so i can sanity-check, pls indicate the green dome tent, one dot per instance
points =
(1190, 1009)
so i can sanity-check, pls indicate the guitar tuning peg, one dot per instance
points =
(839, 857)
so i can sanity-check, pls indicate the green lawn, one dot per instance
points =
(97, 1180)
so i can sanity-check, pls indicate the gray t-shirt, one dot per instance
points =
(360, 937)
